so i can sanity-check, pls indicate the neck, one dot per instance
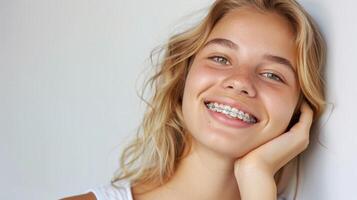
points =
(202, 174)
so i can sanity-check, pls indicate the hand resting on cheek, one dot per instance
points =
(260, 164)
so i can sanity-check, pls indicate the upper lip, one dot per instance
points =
(232, 103)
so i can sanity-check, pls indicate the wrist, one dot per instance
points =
(256, 185)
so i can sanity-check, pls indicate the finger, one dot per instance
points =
(298, 139)
(282, 149)
(285, 147)
(307, 113)
(306, 118)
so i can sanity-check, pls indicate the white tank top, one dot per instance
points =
(120, 191)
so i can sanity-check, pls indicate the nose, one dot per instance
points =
(240, 83)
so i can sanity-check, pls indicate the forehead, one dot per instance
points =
(252, 18)
(257, 32)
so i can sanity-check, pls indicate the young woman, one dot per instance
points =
(233, 104)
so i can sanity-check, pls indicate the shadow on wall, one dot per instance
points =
(311, 182)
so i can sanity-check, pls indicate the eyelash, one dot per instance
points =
(280, 79)
(214, 58)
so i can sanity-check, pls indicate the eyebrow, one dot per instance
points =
(222, 42)
(280, 60)
(231, 45)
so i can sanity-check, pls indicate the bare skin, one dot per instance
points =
(230, 163)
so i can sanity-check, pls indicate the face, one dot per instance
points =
(247, 63)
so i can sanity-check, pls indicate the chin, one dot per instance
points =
(226, 150)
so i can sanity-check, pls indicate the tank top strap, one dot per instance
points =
(119, 191)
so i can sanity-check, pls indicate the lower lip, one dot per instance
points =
(224, 119)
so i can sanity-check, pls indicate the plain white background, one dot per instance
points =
(70, 70)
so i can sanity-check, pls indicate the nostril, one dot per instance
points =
(243, 86)
(242, 90)
(245, 92)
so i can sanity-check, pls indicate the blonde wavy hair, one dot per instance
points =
(161, 140)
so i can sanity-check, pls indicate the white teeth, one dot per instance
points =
(231, 112)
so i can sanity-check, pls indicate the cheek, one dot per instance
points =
(199, 80)
(280, 108)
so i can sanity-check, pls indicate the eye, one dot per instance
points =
(220, 60)
(273, 76)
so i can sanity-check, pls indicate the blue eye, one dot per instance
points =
(273, 76)
(220, 60)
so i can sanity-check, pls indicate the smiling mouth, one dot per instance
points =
(231, 112)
